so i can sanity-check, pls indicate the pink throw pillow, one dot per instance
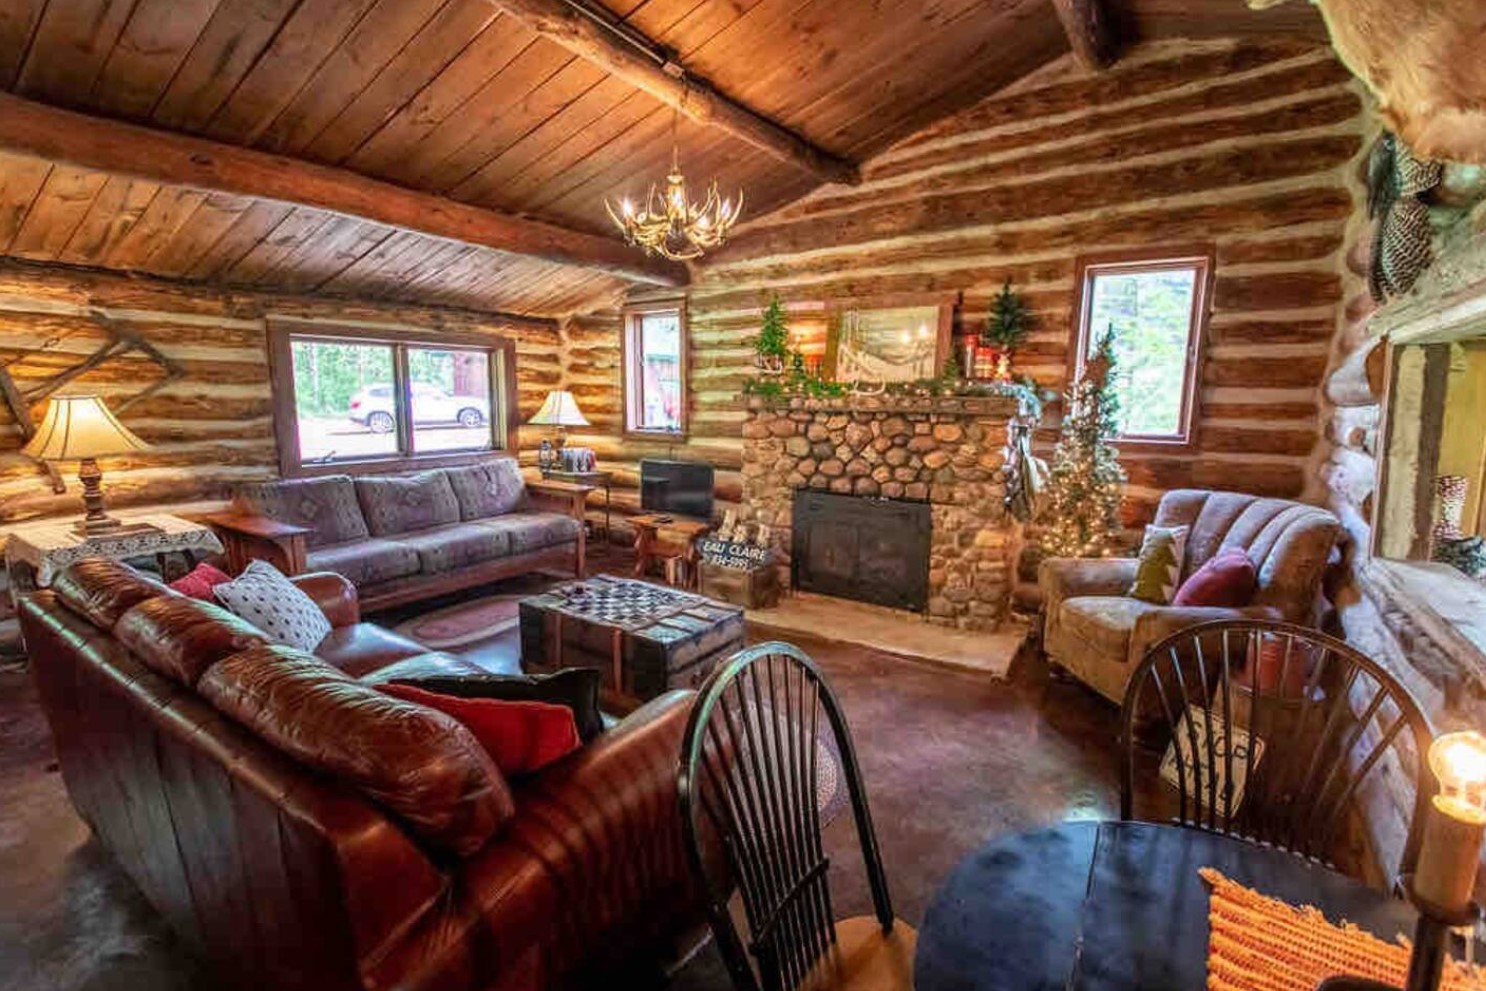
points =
(1227, 579)
(199, 582)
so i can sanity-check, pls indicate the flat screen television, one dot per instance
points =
(681, 488)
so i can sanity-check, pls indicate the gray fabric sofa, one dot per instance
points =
(400, 538)
(1098, 633)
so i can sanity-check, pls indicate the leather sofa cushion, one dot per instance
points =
(394, 504)
(459, 545)
(427, 665)
(327, 506)
(421, 765)
(490, 488)
(102, 590)
(361, 648)
(180, 637)
(365, 562)
(531, 531)
(1103, 622)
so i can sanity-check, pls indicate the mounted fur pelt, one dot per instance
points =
(1423, 61)
(1396, 183)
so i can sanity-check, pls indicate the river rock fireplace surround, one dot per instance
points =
(948, 453)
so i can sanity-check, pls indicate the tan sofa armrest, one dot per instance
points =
(1158, 624)
(1067, 577)
(246, 536)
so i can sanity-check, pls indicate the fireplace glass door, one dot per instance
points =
(871, 550)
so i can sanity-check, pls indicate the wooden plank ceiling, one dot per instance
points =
(455, 98)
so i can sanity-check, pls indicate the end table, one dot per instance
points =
(681, 570)
(598, 479)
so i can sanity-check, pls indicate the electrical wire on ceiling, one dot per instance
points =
(610, 22)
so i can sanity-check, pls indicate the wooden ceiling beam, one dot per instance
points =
(164, 157)
(580, 33)
(1091, 33)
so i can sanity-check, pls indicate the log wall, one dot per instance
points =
(1240, 143)
(1401, 617)
(213, 427)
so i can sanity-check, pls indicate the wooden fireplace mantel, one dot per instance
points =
(1006, 407)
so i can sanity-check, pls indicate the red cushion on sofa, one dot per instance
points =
(198, 583)
(1227, 579)
(520, 737)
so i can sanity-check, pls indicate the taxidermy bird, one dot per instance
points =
(1401, 247)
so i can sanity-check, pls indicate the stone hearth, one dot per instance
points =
(947, 451)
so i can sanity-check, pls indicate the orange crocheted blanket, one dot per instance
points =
(1257, 943)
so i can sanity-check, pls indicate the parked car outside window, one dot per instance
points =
(373, 407)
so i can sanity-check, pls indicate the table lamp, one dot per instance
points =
(559, 410)
(81, 428)
(1449, 857)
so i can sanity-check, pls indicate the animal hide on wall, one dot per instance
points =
(1423, 61)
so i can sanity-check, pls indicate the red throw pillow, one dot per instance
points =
(1227, 579)
(198, 583)
(520, 737)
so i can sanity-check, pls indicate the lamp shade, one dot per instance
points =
(77, 427)
(559, 409)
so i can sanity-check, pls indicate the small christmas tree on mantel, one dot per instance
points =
(771, 347)
(1081, 509)
(1006, 329)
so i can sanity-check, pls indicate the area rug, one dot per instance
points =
(466, 622)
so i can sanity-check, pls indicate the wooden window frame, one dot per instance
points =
(504, 418)
(1202, 257)
(629, 366)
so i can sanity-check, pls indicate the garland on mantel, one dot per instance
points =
(800, 383)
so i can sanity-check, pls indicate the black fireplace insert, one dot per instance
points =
(856, 547)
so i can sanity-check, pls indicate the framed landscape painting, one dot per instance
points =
(890, 339)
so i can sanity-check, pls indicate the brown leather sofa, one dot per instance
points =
(1096, 631)
(232, 780)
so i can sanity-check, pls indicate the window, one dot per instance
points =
(347, 397)
(655, 372)
(1155, 304)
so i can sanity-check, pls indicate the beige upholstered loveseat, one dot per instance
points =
(1098, 633)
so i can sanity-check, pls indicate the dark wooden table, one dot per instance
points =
(1111, 906)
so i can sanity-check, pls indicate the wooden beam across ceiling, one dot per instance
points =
(580, 31)
(1091, 34)
(136, 152)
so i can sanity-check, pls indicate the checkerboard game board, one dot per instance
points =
(621, 602)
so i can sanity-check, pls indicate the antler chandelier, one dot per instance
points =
(672, 226)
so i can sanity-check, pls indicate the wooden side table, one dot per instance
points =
(681, 569)
(36, 552)
(597, 479)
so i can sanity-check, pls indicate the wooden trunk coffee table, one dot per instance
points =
(646, 639)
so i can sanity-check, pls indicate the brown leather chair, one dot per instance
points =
(222, 800)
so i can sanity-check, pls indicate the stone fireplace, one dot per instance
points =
(946, 454)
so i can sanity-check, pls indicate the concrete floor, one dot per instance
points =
(949, 760)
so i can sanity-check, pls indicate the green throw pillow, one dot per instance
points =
(1160, 569)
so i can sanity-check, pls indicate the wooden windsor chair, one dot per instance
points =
(750, 779)
(1270, 732)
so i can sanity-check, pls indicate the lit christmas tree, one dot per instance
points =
(1081, 506)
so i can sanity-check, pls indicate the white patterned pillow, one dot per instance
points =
(264, 597)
